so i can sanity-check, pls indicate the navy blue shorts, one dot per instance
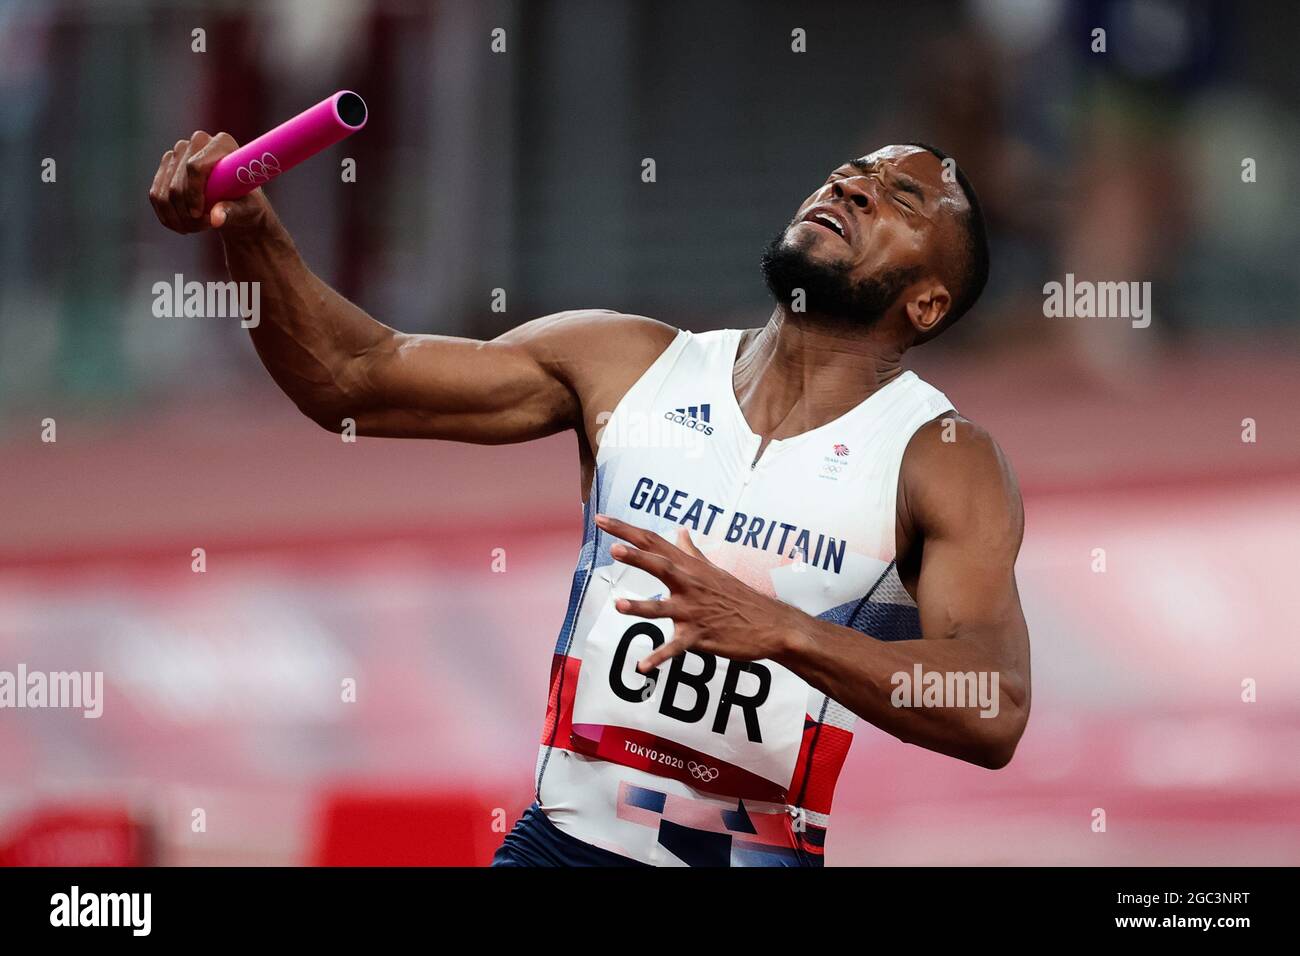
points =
(536, 841)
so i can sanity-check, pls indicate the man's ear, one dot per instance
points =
(927, 308)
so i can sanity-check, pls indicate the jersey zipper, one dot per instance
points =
(753, 465)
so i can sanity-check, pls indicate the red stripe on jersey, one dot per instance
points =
(657, 755)
(559, 701)
(821, 757)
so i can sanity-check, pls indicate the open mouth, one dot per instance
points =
(828, 219)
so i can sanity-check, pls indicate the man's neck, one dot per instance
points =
(798, 372)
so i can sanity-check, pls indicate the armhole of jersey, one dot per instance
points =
(929, 407)
(646, 387)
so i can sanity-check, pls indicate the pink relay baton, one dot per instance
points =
(284, 147)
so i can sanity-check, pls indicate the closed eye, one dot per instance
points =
(905, 187)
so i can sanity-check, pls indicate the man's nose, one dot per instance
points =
(855, 189)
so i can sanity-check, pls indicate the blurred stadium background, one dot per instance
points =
(521, 171)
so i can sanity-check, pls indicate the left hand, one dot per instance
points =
(710, 609)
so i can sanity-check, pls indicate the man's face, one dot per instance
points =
(874, 229)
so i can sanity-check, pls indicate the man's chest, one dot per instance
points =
(806, 522)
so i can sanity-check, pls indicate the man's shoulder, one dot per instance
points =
(949, 429)
(600, 353)
(952, 463)
(609, 329)
(951, 442)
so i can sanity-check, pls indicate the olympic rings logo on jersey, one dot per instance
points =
(702, 772)
(259, 171)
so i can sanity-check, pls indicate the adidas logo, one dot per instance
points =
(695, 417)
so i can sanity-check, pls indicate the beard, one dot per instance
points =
(829, 292)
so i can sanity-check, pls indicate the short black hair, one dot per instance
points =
(974, 268)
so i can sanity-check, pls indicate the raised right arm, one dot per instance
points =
(336, 362)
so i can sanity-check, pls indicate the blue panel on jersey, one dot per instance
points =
(587, 559)
(575, 594)
(738, 820)
(885, 622)
(744, 853)
(695, 847)
(874, 615)
(645, 799)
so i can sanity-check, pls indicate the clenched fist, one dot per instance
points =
(177, 190)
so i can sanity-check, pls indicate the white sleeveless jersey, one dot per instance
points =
(712, 762)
